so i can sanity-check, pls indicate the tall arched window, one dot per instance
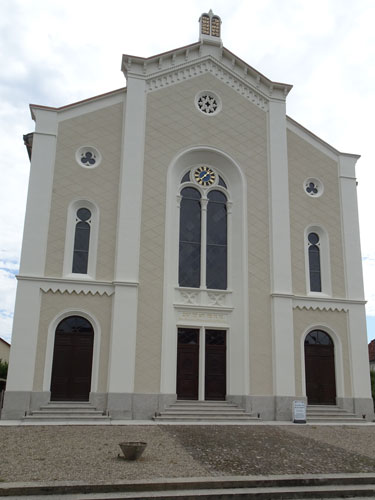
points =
(216, 253)
(190, 238)
(203, 252)
(81, 241)
(314, 262)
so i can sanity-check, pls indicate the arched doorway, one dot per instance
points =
(72, 360)
(320, 368)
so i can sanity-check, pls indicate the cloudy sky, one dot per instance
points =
(55, 52)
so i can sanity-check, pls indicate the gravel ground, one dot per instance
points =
(90, 453)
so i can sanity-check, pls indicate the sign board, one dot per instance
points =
(299, 412)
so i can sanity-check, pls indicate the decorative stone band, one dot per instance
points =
(241, 86)
(319, 303)
(197, 316)
(56, 285)
(203, 298)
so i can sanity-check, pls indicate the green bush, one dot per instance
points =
(3, 369)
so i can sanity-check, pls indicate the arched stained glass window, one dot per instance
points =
(318, 337)
(81, 241)
(216, 256)
(314, 262)
(203, 253)
(190, 238)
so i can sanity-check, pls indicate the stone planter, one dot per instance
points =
(132, 450)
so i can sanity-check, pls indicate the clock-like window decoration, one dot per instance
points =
(204, 176)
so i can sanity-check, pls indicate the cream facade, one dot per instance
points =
(268, 293)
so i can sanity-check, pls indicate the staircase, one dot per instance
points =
(67, 412)
(208, 411)
(331, 415)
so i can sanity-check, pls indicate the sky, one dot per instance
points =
(61, 51)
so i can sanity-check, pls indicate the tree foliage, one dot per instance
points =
(372, 376)
(3, 369)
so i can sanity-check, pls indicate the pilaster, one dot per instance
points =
(281, 274)
(354, 277)
(34, 246)
(124, 319)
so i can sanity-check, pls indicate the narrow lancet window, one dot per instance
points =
(314, 262)
(81, 241)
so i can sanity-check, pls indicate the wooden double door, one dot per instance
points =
(320, 369)
(72, 360)
(215, 370)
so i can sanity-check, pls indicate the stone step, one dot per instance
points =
(84, 404)
(205, 418)
(205, 407)
(327, 409)
(336, 420)
(205, 413)
(68, 414)
(66, 411)
(258, 487)
(66, 417)
(197, 411)
(331, 414)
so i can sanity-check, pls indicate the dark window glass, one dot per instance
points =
(216, 261)
(313, 238)
(314, 263)
(318, 337)
(186, 177)
(215, 337)
(81, 242)
(222, 182)
(190, 239)
(83, 214)
(188, 336)
(75, 324)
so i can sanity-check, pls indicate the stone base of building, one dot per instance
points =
(136, 406)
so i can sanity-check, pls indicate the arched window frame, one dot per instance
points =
(325, 266)
(70, 236)
(204, 192)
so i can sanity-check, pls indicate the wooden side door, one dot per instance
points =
(72, 360)
(320, 374)
(215, 365)
(187, 363)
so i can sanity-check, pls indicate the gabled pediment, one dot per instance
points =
(188, 62)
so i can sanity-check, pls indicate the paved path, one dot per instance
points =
(90, 453)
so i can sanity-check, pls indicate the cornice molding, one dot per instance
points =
(61, 285)
(321, 307)
(78, 290)
(208, 65)
(188, 62)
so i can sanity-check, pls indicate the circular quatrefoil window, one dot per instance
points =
(88, 157)
(208, 103)
(313, 187)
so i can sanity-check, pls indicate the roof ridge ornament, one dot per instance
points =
(210, 28)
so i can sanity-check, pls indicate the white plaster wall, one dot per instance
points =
(101, 129)
(307, 161)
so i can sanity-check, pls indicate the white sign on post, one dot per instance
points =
(299, 412)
